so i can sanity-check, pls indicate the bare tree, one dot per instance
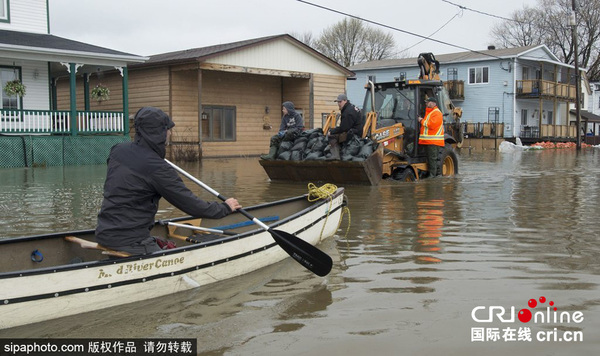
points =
(341, 42)
(377, 45)
(307, 38)
(548, 24)
(350, 41)
(522, 31)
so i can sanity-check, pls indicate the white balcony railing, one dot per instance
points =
(52, 122)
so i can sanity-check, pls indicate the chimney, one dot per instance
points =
(491, 47)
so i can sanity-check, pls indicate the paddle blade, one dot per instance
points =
(304, 253)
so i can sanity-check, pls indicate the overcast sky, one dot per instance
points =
(148, 27)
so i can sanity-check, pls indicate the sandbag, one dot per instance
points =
(320, 144)
(300, 144)
(313, 133)
(311, 142)
(285, 155)
(284, 146)
(351, 146)
(366, 150)
(315, 155)
(296, 155)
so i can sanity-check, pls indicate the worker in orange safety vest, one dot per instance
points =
(432, 134)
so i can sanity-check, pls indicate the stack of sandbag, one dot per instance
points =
(314, 145)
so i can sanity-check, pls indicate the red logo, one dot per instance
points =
(525, 314)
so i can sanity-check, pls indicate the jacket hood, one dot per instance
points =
(151, 125)
(290, 107)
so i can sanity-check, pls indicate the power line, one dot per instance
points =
(436, 31)
(397, 29)
(482, 13)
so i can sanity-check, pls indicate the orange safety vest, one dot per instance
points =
(432, 128)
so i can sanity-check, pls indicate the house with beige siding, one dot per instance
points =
(226, 99)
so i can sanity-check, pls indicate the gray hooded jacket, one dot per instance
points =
(292, 120)
(137, 177)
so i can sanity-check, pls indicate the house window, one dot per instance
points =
(4, 13)
(524, 117)
(550, 118)
(479, 75)
(218, 123)
(7, 75)
(598, 102)
(452, 74)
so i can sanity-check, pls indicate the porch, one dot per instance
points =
(531, 133)
(549, 131)
(456, 89)
(547, 89)
(51, 122)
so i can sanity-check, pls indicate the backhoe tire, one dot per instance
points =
(448, 162)
(404, 175)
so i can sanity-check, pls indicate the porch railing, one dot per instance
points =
(59, 122)
(538, 87)
(548, 131)
(456, 89)
(491, 130)
(482, 129)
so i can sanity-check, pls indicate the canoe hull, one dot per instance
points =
(42, 294)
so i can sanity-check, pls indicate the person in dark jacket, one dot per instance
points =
(291, 126)
(137, 177)
(351, 123)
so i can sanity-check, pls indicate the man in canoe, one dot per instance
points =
(137, 177)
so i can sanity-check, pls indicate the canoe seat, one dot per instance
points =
(95, 246)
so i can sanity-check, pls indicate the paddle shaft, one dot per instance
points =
(217, 194)
(198, 228)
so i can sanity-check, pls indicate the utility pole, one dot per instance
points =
(573, 24)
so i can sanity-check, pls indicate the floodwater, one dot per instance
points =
(417, 266)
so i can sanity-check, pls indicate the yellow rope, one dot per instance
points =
(323, 192)
(345, 211)
(326, 192)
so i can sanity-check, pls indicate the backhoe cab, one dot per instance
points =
(393, 109)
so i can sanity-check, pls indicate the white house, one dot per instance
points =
(527, 89)
(38, 60)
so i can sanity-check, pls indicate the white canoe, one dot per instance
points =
(46, 276)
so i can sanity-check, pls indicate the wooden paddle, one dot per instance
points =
(304, 253)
